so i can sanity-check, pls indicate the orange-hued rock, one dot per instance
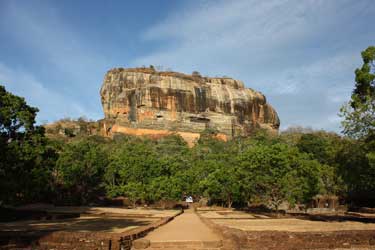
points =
(145, 102)
(142, 101)
(70, 128)
(189, 137)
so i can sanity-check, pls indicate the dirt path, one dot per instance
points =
(186, 227)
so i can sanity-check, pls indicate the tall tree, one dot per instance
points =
(359, 112)
(359, 123)
(25, 163)
(80, 170)
(17, 119)
(364, 77)
(279, 173)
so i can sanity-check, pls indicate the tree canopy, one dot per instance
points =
(26, 157)
(359, 112)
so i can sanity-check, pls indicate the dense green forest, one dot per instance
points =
(293, 166)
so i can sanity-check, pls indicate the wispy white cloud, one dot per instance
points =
(318, 91)
(300, 54)
(52, 105)
(66, 72)
(327, 75)
(44, 31)
(250, 32)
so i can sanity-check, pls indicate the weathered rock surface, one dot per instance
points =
(71, 128)
(142, 101)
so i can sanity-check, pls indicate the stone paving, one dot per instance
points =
(186, 231)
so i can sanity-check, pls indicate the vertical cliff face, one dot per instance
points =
(142, 99)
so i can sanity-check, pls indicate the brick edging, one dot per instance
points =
(239, 239)
(131, 235)
(229, 240)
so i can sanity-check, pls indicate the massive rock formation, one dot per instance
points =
(142, 101)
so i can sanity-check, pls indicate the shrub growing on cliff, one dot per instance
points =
(196, 74)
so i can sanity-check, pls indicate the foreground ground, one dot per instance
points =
(85, 228)
(89, 219)
(187, 231)
(302, 232)
(108, 224)
(186, 227)
(258, 222)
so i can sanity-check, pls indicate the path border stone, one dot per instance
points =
(237, 239)
(230, 241)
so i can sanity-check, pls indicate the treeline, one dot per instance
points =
(293, 166)
(262, 169)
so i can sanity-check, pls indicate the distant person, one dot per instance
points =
(189, 199)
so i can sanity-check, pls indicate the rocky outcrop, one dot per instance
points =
(144, 101)
(70, 128)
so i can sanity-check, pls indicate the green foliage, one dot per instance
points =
(223, 185)
(357, 170)
(148, 165)
(357, 160)
(134, 191)
(364, 77)
(16, 117)
(330, 181)
(321, 145)
(315, 145)
(279, 173)
(164, 188)
(196, 74)
(80, 169)
(359, 112)
(69, 132)
(259, 169)
(26, 156)
(208, 136)
(359, 122)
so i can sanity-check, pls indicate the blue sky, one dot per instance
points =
(300, 54)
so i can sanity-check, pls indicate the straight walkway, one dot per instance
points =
(185, 227)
